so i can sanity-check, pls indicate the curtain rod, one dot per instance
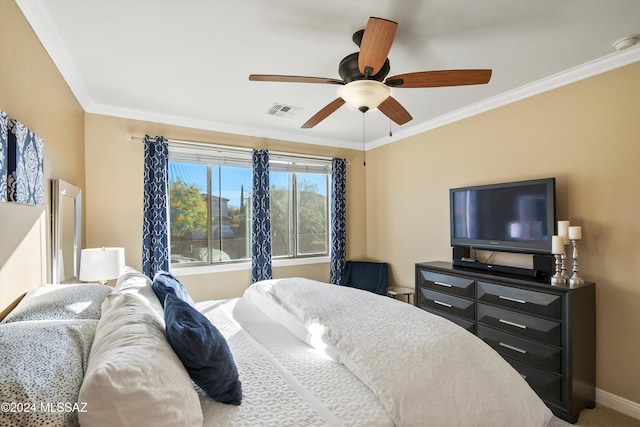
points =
(201, 144)
(230, 148)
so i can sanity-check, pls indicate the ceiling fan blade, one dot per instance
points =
(324, 113)
(440, 78)
(376, 44)
(292, 79)
(396, 112)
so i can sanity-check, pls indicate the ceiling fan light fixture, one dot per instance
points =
(364, 95)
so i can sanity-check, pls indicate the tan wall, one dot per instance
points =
(114, 180)
(587, 135)
(33, 91)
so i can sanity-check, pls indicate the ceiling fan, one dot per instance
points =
(362, 74)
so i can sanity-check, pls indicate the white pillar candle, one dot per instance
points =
(557, 245)
(575, 233)
(563, 231)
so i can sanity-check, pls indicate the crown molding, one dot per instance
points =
(36, 13)
(38, 17)
(563, 78)
(125, 113)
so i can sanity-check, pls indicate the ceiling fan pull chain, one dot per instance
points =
(390, 133)
(364, 143)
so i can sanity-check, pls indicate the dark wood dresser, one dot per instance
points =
(547, 333)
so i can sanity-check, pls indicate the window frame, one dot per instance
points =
(294, 214)
(211, 154)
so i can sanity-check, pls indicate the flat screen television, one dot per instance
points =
(506, 217)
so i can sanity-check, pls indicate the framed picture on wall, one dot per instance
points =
(25, 165)
(4, 125)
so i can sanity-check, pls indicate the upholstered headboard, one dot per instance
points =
(10, 307)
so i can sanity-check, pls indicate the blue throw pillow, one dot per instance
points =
(203, 351)
(164, 283)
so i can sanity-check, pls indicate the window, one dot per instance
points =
(210, 205)
(299, 214)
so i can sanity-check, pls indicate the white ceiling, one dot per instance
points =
(187, 62)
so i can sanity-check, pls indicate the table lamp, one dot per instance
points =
(101, 264)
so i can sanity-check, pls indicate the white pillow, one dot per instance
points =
(133, 377)
(131, 281)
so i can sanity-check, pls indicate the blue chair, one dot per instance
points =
(370, 276)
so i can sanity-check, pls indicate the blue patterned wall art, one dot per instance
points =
(4, 129)
(25, 165)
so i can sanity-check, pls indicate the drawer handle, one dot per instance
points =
(443, 303)
(446, 285)
(510, 347)
(512, 299)
(517, 325)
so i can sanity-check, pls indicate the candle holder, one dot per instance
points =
(575, 279)
(558, 278)
(563, 265)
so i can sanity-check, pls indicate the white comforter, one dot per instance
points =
(285, 382)
(424, 369)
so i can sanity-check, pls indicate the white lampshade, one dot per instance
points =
(364, 93)
(101, 264)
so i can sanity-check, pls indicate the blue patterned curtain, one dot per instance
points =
(261, 225)
(155, 237)
(338, 218)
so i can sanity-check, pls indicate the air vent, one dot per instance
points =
(282, 110)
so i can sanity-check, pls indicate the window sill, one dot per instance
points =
(244, 266)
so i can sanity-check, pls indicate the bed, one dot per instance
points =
(289, 352)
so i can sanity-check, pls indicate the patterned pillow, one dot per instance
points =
(42, 367)
(60, 302)
(203, 351)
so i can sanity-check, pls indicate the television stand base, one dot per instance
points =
(529, 272)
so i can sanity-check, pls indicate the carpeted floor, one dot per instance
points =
(600, 416)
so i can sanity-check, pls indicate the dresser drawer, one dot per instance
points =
(546, 384)
(453, 285)
(536, 302)
(447, 303)
(523, 350)
(546, 331)
(467, 324)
